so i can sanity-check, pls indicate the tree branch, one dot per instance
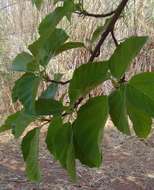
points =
(109, 29)
(60, 82)
(114, 38)
(85, 13)
(57, 82)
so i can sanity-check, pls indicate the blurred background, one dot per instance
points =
(19, 20)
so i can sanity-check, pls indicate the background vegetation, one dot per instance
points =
(19, 20)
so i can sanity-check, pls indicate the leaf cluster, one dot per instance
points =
(79, 137)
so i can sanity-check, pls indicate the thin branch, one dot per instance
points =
(114, 39)
(60, 82)
(78, 102)
(57, 82)
(85, 13)
(109, 29)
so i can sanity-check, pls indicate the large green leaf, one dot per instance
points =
(142, 123)
(124, 55)
(30, 150)
(46, 46)
(50, 22)
(60, 143)
(25, 90)
(87, 77)
(136, 100)
(45, 106)
(17, 122)
(88, 129)
(118, 110)
(140, 92)
(24, 62)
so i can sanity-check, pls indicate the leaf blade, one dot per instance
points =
(45, 106)
(86, 77)
(87, 131)
(25, 89)
(140, 92)
(24, 62)
(60, 143)
(124, 54)
(118, 111)
(30, 151)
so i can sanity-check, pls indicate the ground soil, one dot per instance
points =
(128, 165)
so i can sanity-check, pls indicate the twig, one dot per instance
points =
(108, 29)
(60, 82)
(85, 13)
(114, 39)
(78, 102)
(57, 82)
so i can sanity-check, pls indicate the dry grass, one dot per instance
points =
(19, 21)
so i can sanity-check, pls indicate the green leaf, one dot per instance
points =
(17, 122)
(50, 22)
(142, 123)
(60, 143)
(135, 100)
(48, 107)
(140, 92)
(70, 162)
(46, 46)
(51, 90)
(24, 62)
(69, 45)
(118, 110)
(88, 129)
(87, 77)
(124, 55)
(30, 150)
(25, 90)
(69, 7)
(37, 3)
(5, 127)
